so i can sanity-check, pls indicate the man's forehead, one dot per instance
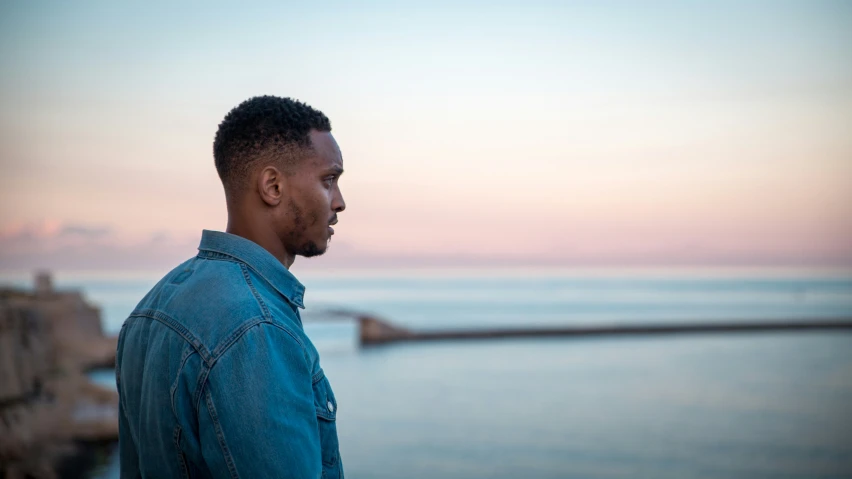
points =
(326, 148)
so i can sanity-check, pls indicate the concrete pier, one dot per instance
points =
(374, 331)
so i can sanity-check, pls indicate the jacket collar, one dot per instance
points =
(256, 258)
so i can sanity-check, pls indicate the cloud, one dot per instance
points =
(28, 231)
(51, 229)
(85, 231)
(74, 246)
(78, 246)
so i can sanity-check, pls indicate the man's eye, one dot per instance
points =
(328, 181)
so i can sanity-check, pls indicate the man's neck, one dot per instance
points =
(262, 235)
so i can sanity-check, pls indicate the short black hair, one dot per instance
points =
(258, 127)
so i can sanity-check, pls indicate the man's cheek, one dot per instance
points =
(315, 216)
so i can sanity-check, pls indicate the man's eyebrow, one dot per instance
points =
(335, 170)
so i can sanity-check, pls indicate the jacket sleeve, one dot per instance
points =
(256, 414)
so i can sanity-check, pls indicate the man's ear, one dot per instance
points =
(270, 185)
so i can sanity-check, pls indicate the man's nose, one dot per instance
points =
(337, 203)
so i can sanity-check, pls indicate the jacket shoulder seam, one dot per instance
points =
(177, 327)
(229, 342)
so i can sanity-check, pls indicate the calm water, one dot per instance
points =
(732, 406)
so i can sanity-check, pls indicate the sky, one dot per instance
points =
(473, 134)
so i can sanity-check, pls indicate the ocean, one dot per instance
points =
(749, 405)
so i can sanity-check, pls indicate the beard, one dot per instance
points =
(311, 249)
(307, 248)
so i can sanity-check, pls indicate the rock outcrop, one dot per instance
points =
(48, 340)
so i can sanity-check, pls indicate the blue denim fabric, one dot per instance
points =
(216, 377)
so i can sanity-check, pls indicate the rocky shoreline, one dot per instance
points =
(51, 414)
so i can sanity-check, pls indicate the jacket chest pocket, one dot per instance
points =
(326, 409)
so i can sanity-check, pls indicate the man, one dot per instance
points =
(215, 374)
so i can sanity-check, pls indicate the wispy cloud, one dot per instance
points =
(75, 246)
(21, 231)
(85, 231)
(50, 244)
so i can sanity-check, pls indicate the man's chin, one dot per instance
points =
(312, 249)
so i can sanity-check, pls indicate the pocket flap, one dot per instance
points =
(324, 402)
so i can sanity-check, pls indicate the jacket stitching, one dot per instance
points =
(317, 377)
(177, 327)
(232, 468)
(257, 297)
(237, 259)
(188, 352)
(292, 335)
(233, 339)
(181, 459)
(199, 385)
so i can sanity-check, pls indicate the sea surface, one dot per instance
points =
(753, 405)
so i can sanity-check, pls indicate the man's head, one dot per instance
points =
(279, 165)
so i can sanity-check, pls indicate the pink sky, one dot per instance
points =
(653, 144)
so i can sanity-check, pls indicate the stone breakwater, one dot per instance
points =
(48, 406)
(375, 331)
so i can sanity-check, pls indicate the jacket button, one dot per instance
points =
(330, 407)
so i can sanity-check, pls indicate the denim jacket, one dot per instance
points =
(216, 376)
